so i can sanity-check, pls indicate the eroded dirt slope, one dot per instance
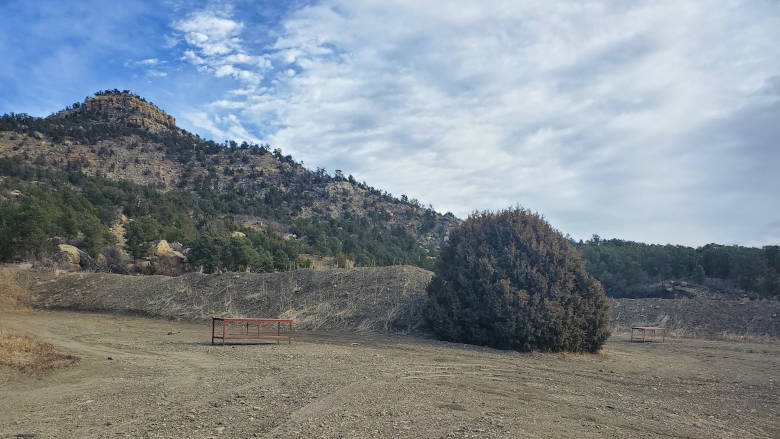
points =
(384, 299)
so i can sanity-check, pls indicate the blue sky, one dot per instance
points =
(654, 121)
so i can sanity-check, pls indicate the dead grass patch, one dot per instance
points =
(31, 356)
(12, 296)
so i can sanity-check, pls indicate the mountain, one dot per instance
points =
(115, 174)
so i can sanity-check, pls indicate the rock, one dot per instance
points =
(238, 234)
(167, 260)
(162, 248)
(71, 253)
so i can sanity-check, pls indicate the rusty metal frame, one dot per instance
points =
(247, 336)
(642, 334)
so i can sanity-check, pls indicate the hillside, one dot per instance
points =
(380, 299)
(636, 270)
(137, 179)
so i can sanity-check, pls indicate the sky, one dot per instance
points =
(653, 121)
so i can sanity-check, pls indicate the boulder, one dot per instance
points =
(70, 253)
(162, 248)
(168, 261)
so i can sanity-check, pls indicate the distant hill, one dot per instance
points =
(636, 270)
(115, 173)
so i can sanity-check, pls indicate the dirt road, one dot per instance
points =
(164, 380)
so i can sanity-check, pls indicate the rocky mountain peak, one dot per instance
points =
(123, 107)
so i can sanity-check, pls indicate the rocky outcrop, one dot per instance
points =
(127, 109)
(69, 254)
(167, 259)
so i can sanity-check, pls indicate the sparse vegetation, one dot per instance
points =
(31, 356)
(509, 280)
(12, 296)
(26, 354)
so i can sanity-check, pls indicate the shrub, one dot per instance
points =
(509, 280)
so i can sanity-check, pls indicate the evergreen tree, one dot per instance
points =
(511, 281)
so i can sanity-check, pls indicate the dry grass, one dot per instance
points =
(31, 356)
(25, 354)
(12, 296)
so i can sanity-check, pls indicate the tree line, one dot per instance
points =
(623, 266)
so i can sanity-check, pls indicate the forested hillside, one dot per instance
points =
(629, 269)
(117, 162)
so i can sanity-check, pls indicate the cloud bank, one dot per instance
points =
(651, 120)
(645, 120)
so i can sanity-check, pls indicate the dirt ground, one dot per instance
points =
(165, 380)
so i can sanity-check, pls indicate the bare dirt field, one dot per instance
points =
(165, 380)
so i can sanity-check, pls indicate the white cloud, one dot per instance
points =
(170, 42)
(600, 115)
(215, 45)
(149, 62)
(152, 65)
(227, 127)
